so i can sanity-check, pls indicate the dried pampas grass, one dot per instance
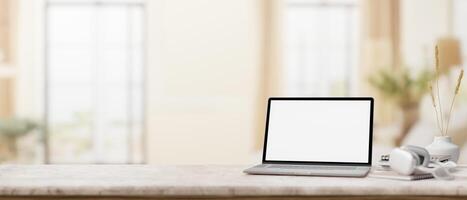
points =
(456, 92)
(459, 80)
(433, 101)
(440, 121)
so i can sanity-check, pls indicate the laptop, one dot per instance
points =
(317, 137)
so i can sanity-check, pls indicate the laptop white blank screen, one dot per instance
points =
(319, 131)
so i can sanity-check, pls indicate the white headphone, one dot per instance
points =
(407, 158)
(410, 159)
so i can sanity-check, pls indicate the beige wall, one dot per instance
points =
(5, 22)
(421, 26)
(203, 75)
(379, 51)
(30, 63)
(5, 83)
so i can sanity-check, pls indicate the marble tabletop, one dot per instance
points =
(208, 180)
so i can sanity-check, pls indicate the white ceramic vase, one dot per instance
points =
(442, 146)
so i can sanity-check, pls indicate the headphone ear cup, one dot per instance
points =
(418, 160)
(403, 162)
(421, 153)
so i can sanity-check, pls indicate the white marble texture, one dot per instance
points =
(228, 181)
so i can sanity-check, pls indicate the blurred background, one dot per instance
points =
(187, 81)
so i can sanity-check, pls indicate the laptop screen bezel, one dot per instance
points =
(370, 144)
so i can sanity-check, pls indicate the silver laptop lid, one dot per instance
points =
(319, 130)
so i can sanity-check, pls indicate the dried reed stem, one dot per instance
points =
(459, 81)
(437, 88)
(433, 101)
(449, 116)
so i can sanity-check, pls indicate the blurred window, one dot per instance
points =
(94, 81)
(321, 47)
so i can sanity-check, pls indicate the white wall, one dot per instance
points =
(204, 61)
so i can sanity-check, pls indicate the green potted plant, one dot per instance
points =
(10, 130)
(405, 90)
